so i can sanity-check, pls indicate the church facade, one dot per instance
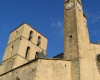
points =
(24, 57)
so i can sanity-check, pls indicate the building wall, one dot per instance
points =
(77, 47)
(85, 59)
(53, 70)
(34, 40)
(15, 50)
(72, 33)
(18, 34)
(24, 43)
(95, 51)
(40, 70)
(27, 72)
(86, 56)
(12, 63)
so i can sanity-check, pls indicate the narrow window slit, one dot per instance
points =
(27, 53)
(30, 36)
(39, 41)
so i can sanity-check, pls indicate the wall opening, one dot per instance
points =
(98, 63)
(27, 53)
(39, 41)
(98, 58)
(36, 55)
(30, 35)
(70, 36)
(17, 78)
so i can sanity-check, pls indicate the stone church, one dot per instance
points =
(24, 57)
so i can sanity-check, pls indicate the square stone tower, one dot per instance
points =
(25, 44)
(77, 46)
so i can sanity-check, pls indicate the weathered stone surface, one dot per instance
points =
(51, 69)
(77, 46)
(16, 48)
(79, 60)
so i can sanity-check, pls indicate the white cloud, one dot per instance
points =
(59, 25)
(53, 24)
(93, 15)
(97, 18)
(95, 32)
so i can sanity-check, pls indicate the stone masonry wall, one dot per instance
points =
(41, 69)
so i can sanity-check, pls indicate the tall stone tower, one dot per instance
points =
(76, 41)
(25, 44)
(81, 58)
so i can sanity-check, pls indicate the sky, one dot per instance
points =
(47, 17)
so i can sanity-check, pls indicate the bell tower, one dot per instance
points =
(76, 40)
(24, 44)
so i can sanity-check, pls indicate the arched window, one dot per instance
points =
(98, 62)
(39, 41)
(36, 55)
(27, 53)
(31, 35)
